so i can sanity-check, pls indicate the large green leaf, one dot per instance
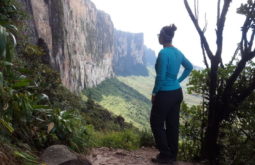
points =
(10, 50)
(13, 29)
(5, 63)
(13, 41)
(28, 157)
(7, 41)
(21, 83)
(3, 41)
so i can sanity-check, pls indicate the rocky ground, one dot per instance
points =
(107, 156)
(61, 155)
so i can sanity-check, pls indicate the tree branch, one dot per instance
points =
(204, 56)
(232, 79)
(244, 41)
(234, 55)
(200, 32)
(218, 9)
(206, 23)
(196, 9)
(220, 27)
(221, 63)
(252, 39)
(240, 66)
(246, 55)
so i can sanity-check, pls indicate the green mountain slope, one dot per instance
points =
(142, 84)
(123, 100)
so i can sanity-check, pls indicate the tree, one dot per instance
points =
(223, 97)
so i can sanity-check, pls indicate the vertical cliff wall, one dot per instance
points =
(149, 57)
(129, 54)
(79, 38)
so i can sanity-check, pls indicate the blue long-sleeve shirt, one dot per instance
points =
(167, 67)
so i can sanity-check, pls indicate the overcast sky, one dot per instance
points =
(149, 16)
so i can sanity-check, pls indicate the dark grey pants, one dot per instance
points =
(164, 121)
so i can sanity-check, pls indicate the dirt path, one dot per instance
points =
(107, 156)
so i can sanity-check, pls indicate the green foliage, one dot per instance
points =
(27, 158)
(247, 9)
(7, 44)
(146, 138)
(192, 125)
(30, 114)
(70, 128)
(9, 12)
(236, 134)
(198, 82)
(126, 139)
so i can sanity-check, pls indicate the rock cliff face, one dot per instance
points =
(129, 54)
(149, 57)
(79, 39)
(82, 43)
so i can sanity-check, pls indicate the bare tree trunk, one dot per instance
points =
(210, 148)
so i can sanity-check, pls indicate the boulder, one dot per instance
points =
(57, 154)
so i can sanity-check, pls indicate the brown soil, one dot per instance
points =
(107, 156)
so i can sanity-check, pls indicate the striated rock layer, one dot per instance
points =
(79, 39)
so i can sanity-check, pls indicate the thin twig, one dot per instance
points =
(204, 56)
(220, 27)
(218, 10)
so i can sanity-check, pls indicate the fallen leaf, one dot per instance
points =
(50, 127)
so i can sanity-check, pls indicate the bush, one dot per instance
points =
(146, 139)
(191, 132)
(126, 139)
(70, 128)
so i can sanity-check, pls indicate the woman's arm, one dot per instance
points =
(187, 69)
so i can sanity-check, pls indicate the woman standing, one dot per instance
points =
(167, 96)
